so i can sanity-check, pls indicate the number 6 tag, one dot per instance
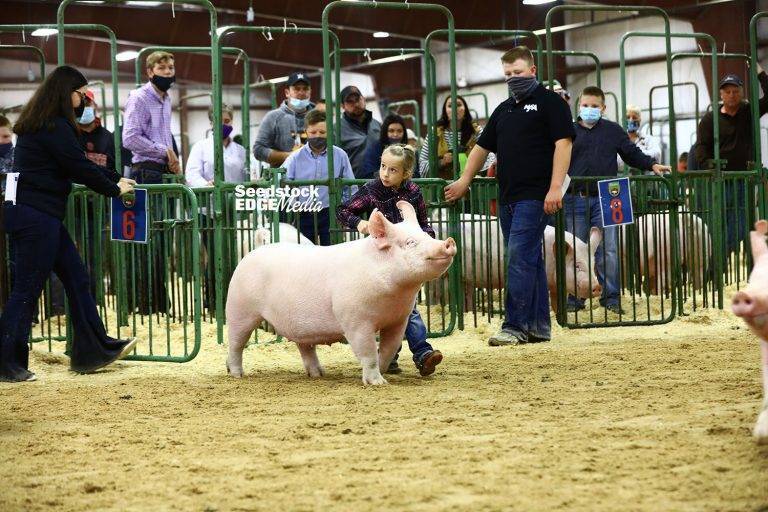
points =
(129, 218)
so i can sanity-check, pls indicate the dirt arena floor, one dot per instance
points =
(647, 418)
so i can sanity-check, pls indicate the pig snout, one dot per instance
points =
(442, 249)
(584, 290)
(450, 247)
(743, 304)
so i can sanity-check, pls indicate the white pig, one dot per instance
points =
(580, 278)
(313, 295)
(751, 304)
(655, 251)
(482, 255)
(483, 259)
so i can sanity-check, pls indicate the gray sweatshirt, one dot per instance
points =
(355, 139)
(278, 131)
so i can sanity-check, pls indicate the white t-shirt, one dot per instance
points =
(649, 145)
(200, 165)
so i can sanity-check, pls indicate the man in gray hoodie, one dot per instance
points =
(358, 128)
(282, 130)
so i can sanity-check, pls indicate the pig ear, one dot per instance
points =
(378, 226)
(262, 236)
(568, 246)
(407, 212)
(595, 237)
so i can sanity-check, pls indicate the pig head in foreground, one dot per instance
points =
(751, 304)
(317, 295)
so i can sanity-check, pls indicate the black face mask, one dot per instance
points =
(520, 87)
(163, 82)
(318, 144)
(394, 141)
(5, 149)
(80, 109)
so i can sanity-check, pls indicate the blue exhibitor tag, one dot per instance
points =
(615, 202)
(129, 217)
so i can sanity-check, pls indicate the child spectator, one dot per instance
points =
(311, 163)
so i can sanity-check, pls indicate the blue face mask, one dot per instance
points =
(633, 126)
(590, 115)
(88, 116)
(299, 104)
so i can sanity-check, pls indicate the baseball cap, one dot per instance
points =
(731, 79)
(349, 91)
(410, 134)
(297, 77)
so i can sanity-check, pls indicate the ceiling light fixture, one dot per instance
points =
(45, 32)
(537, 2)
(380, 35)
(126, 55)
(143, 3)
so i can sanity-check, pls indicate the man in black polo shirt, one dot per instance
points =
(531, 134)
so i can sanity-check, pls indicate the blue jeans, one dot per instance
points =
(736, 215)
(41, 244)
(307, 226)
(581, 214)
(416, 334)
(158, 301)
(527, 301)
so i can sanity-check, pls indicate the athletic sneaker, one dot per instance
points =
(504, 338)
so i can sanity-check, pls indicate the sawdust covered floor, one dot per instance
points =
(651, 418)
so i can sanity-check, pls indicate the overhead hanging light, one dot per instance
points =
(537, 2)
(126, 55)
(249, 14)
(380, 35)
(45, 32)
(143, 3)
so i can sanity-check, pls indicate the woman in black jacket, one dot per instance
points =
(48, 159)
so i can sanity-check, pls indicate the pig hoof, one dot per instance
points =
(761, 428)
(374, 379)
(235, 372)
(316, 372)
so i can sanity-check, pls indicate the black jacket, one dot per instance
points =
(736, 138)
(49, 161)
(99, 147)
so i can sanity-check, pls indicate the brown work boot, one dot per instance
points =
(428, 363)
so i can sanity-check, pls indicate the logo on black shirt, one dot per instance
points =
(531, 106)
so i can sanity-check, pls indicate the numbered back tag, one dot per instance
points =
(615, 202)
(129, 218)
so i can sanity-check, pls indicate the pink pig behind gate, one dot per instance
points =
(314, 295)
(751, 304)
